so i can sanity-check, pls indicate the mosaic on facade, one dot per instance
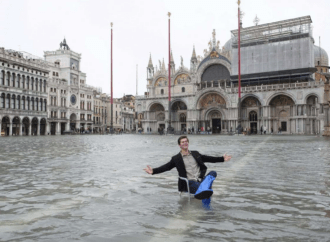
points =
(161, 82)
(212, 100)
(182, 79)
(282, 100)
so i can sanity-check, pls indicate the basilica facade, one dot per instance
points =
(283, 84)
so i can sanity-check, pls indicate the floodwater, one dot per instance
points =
(93, 188)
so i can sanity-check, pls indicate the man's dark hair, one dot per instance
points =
(182, 137)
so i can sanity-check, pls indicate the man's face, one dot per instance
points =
(184, 144)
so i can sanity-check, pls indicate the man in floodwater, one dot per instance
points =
(190, 164)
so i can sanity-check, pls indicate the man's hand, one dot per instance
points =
(226, 157)
(149, 170)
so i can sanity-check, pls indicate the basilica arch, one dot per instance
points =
(251, 111)
(280, 113)
(156, 115)
(211, 106)
(179, 115)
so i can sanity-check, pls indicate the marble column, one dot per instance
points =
(38, 128)
(30, 128)
(20, 129)
(10, 129)
(58, 128)
(48, 128)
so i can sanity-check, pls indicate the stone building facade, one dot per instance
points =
(116, 116)
(282, 88)
(101, 102)
(44, 96)
(23, 94)
(70, 105)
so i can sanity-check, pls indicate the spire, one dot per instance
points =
(172, 61)
(194, 53)
(163, 65)
(150, 62)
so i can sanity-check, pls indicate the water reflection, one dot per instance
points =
(93, 188)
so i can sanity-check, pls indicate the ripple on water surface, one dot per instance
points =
(93, 188)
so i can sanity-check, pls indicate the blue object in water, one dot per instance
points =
(204, 191)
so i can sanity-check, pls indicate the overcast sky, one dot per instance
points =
(140, 28)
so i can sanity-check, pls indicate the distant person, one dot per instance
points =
(261, 130)
(193, 129)
(190, 165)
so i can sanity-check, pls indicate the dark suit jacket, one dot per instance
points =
(177, 162)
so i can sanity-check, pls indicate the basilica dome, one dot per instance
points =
(320, 56)
(227, 46)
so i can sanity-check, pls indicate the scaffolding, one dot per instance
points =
(277, 31)
(276, 52)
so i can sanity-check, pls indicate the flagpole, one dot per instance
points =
(169, 73)
(111, 100)
(239, 68)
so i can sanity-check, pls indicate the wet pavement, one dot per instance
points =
(93, 188)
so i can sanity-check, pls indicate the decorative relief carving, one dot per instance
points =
(177, 106)
(214, 54)
(212, 100)
(182, 79)
(250, 102)
(282, 101)
(161, 117)
(283, 114)
(161, 82)
(156, 107)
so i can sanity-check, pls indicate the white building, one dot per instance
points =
(70, 100)
(23, 92)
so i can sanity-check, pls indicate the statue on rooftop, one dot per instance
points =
(64, 45)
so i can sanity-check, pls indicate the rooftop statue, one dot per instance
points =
(64, 45)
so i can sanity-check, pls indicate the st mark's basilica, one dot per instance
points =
(283, 76)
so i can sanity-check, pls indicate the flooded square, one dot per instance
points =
(93, 188)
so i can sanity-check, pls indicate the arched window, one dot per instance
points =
(40, 85)
(8, 78)
(23, 82)
(18, 102)
(3, 97)
(162, 91)
(45, 104)
(32, 83)
(183, 89)
(253, 116)
(13, 80)
(18, 81)
(23, 103)
(41, 105)
(13, 102)
(37, 84)
(36, 104)
(28, 82)
(32, 104)
(2, 78)
(182, 118)
(28, 103)
(8, 101)
(44, 85)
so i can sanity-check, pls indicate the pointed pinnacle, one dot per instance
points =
(194, 53)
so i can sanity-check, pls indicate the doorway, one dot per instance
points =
(62, 128)
(254, 127)
(283, 126)
(216, 126)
